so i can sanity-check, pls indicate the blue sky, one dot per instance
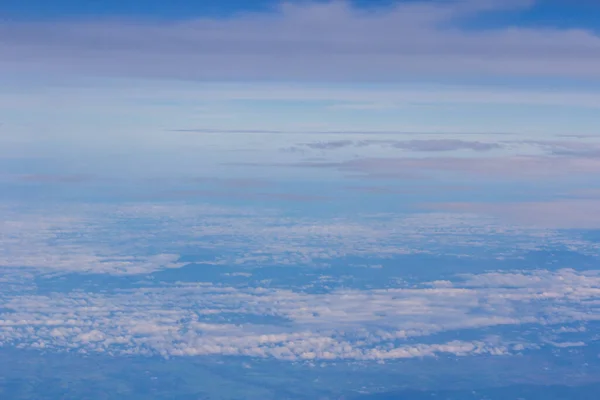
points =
(543, 13)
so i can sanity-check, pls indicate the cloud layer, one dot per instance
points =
(329, 40)
(368, 325)
(116, 239)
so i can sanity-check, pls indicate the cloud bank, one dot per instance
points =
(306, 41)
(115, 239)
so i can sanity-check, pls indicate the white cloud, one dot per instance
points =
(341, 325)
(110, 240)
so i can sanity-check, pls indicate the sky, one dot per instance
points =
(497, 93)
(329, 186)
(107, 88)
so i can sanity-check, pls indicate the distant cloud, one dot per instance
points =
(424, 145)
(498, 167)
(445, 145)
(92, 239)
(557, 214)
(309, 40)
(334, 144)
(209, 130)
(579, 148)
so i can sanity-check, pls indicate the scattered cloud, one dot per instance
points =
(105, 239)
(372, 325)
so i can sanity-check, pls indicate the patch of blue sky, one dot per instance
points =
(37, 9)
(544, 13)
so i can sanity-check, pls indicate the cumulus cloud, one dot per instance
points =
(210, 319)
(307, 40)
(367, 325)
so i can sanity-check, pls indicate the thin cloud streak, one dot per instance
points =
(418, 145)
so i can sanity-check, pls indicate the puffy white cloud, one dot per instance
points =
(205, 318)
(342, 325)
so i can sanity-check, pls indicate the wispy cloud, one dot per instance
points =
(418, 145)
(515, 168)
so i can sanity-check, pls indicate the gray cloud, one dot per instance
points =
(428, 145)
(216, 130)
(331, 145)
(306, 41)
